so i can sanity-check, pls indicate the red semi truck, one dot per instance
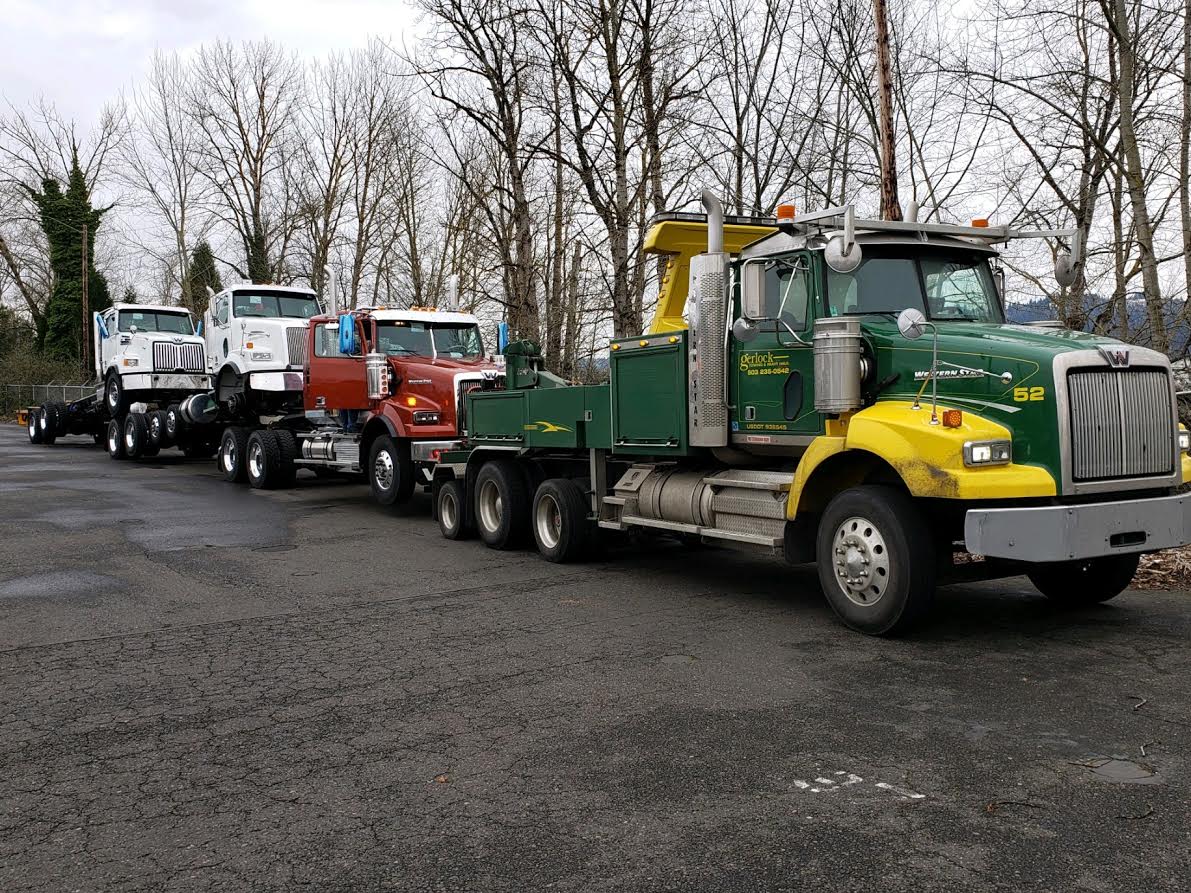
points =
(382, 396)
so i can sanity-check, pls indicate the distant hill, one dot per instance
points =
(1041, 309)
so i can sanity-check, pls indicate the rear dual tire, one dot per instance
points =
(449, 502)
(270, 459)
(233, 449)
(33, 425)
(137, 444)
(502, 505)
(560, 522)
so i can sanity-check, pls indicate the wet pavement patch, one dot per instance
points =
(1122, 771)
(59, 584)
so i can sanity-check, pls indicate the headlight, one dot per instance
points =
(262, 354)
(988, 452)
(1184, 441)
(131, 361)
(422, 417)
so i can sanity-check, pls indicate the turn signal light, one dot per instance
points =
(786, 212)
(411, 401)
(980, 222)
(952, 418)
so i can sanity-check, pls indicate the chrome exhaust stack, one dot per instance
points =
(707, 341)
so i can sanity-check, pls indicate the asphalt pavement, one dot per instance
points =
(205, 687)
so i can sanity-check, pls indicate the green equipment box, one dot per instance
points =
(567, 417)
(649, 395)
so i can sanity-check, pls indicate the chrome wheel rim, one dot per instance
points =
(41, 420)
(548, 521)
(447, 509)
(382, 470)
(256, 459)
(861, 561)
(113, 441)
(490, 505)
(32, 425)
(113, 397)
(229, 455)
(155, 428)
(129, 437)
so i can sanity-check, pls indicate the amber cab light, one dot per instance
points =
(980, 222)
(411, 401)
(952, 418)
(786, 212)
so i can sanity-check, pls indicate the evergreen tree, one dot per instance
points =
(63, 215)
(129, 296)
(201, 276)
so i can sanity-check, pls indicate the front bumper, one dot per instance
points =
(166, 381)
(424, 450)
(1066, 532)
(275, 381)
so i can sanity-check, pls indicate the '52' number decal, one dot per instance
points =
(1028, 395)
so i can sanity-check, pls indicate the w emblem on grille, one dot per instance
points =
(1118, 357)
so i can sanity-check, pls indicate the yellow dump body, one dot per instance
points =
(680, 240)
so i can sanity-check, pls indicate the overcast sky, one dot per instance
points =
(82, 53)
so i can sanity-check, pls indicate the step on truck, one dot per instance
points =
(845, 392)
(148, 359)
(381, 396)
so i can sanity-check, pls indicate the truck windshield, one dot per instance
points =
(944, 285)
(271, 303)
(155, 321)
(456, 341)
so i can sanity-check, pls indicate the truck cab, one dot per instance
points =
(395, 382)
(147, 353)
(256, 347)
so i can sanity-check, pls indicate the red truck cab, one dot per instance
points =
(428, 360)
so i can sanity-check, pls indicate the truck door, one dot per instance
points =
(336, 380)
(217, 338)
(104, 348)
(773, 375)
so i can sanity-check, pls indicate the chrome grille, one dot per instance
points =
(295, 346)
(1121, 425)
(465, 387)
(169, 357)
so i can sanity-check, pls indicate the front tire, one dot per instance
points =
(115, 440)
(560, 526)
(502, 505)
(876, 560)
(390, 471)
(115, 396)
(1077, 584)
(448, 508)
(232, 449)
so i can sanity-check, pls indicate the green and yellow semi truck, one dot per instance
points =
(845, 392)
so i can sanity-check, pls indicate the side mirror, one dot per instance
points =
(840, 256)
(911, 323)
(745, 330)
(1064, 270)
(752, 290)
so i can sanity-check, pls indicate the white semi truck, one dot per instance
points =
(256, 349)
(148, 358)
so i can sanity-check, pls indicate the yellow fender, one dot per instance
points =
(928, 458)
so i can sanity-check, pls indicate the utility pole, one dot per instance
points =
(86, 330)
(891, 208)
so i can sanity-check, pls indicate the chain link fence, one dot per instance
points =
(16, 396)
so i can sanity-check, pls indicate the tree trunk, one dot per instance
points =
(891, 208)
(1135, 176)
